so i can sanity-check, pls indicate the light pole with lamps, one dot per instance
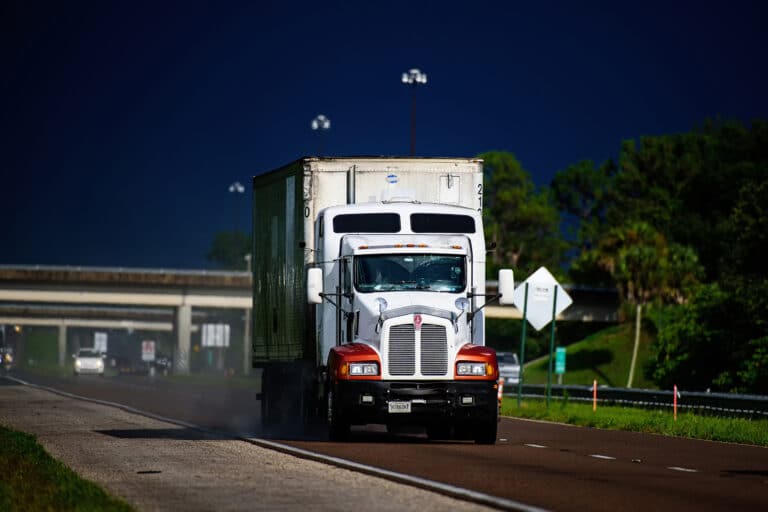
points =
(413, 78)
(321, 124)
(237, 188)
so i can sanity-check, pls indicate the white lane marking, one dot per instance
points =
(423, 483)
(604, 457)
(684, 470)
(535, 445)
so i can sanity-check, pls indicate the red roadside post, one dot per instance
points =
(594, 395)
(674, 401)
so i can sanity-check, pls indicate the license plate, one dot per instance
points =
(399, 407)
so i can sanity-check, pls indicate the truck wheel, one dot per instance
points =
(485, 432)
(338, 428)
(268, 413)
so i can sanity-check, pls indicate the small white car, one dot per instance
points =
(88, 360)
(509, 368)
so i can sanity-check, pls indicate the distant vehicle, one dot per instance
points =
(509, 367)
(88, 360)
(163, 364)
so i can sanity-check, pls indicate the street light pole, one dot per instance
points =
(321, 124)
(413, 77)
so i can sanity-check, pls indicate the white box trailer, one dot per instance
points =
(293, 205)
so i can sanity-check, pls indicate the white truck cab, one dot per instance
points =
(392, 326)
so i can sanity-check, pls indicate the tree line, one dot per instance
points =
(677, 223)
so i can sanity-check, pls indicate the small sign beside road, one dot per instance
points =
(100, 342)
(560, 360)
(147, 350)
(215, 335)
(541, 299)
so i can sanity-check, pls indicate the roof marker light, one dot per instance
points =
(455, 247)
(363, 247)
(410, 245)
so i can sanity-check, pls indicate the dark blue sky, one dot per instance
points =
(123, 123)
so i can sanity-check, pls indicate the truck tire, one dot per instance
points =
(486, 432)
(338, 427)
(275, 399)
(439, 432)
(486, 429)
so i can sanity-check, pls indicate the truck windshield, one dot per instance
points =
(405, 272)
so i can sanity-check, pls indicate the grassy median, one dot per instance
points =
(31, 480)
(734, 430)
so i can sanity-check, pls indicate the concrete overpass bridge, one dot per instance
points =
(36, 295)
(164, 300)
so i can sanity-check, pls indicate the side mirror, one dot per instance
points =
(314, 285)
(506, 287)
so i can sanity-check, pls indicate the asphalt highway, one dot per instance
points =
(556, 467)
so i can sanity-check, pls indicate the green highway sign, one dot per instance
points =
(560, 360)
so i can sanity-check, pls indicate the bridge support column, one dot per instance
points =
(183, 339)
(62, 344)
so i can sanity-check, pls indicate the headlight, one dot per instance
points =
(77, 363)
(363, 369)
(99, 364)
(471, 369)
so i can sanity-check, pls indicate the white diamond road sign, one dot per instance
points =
(541, 285)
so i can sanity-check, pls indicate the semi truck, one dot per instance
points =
(368, 296)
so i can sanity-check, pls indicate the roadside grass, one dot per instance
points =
(30, 479)
(604, 355)
(688, 424)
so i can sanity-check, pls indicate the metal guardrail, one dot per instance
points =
(723, 404)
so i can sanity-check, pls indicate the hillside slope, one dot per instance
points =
(605, 356)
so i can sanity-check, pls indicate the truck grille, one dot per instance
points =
(402, 350)
(434, 350)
